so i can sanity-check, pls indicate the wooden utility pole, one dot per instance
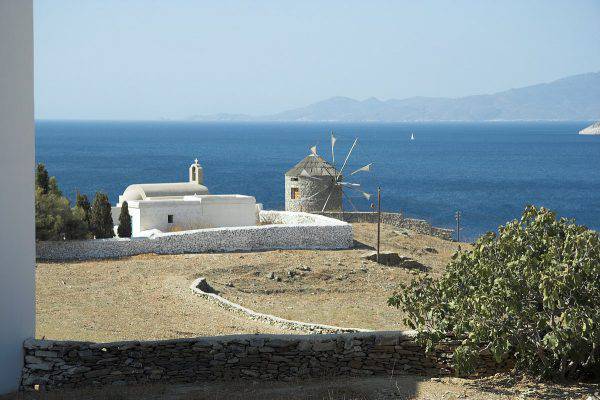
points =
(457, 216)
(378, 219)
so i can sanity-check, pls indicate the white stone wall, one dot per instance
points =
(17, 274)
(279, 230)
(197, 286)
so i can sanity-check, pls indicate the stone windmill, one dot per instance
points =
(315, 185)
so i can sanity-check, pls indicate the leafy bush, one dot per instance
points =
(101, 222)
(54, 218)
(124, 229)
(531, 291)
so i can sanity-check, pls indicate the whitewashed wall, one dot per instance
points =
(153, 215)
(280, 230)
(194, 212)
(228, 210)
(17, 252)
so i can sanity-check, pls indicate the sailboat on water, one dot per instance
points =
(412, 136)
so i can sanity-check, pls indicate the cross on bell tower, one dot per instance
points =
(196, 173)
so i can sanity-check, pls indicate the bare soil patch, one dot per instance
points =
(148, 296)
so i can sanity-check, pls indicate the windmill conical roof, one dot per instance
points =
(314, 165)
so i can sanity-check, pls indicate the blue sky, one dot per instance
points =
(144, 59)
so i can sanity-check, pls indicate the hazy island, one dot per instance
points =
(574, 98)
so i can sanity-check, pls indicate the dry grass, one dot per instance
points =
(148, 296)
(340, 288)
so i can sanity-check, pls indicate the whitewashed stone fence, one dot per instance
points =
(394, 219)
(55, 364)
(201, 288)
(278, 230)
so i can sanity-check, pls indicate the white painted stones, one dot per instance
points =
(279, 230)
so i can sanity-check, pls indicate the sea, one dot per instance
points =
(488, 171)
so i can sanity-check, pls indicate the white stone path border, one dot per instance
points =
(270, 319)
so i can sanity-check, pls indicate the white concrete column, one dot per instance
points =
(17, 238)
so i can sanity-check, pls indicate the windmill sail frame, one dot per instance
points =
(328, 187)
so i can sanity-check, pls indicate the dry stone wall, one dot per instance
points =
(54, 364)
(279, 230)
(394, 219)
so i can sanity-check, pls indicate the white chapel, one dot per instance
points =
(180, 206)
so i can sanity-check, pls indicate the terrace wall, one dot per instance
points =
(280, 230)
(54, 364)
(394, 219)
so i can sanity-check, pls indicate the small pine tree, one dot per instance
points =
(42, 180)
(124, 229)
(75, 226)
(83, 204)
(51, 212)
(53, 186)
(101, 222)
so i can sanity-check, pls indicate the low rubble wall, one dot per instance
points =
(278, 230)
(394, 219)
(54, 364)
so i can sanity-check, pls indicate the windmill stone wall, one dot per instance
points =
(308, 187)
(322, 181)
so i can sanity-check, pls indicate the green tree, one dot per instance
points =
(124, 229)
(76, 227)
(531, 291)
(101, 222)
(42, 180)
(54, 218)
(53, 186)
(83, 204)
(50, 215)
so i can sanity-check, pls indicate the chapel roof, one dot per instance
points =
(314, 165)
(166, 190)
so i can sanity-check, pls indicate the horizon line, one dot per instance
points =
(307, 122)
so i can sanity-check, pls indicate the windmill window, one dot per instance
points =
(295, 194)
(170, 218)
(294, 179)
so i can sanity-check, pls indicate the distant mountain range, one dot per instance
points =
(573, 98)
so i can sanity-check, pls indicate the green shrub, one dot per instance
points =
(531, 291)
(50, 215)
(124, 229)
(54, 218)
(82, 203)
(53, 186)
(101, 223)
(77, 227)
(42, 180)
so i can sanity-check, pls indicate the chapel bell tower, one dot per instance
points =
(196, 173)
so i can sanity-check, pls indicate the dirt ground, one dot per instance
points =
(148, 296)
(376, 388)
